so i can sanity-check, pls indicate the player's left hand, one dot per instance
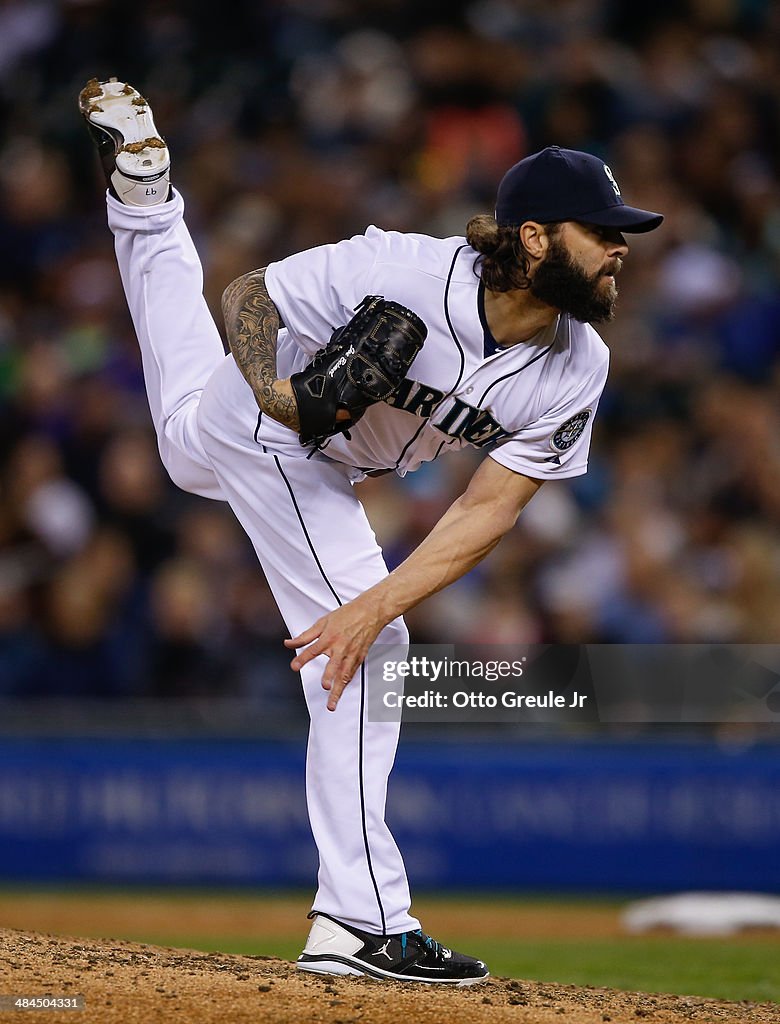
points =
(345, 636)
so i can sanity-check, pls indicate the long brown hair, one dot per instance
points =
(503, 262)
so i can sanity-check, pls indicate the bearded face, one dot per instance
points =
(559, 281)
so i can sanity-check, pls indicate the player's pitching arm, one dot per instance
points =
(466, 533)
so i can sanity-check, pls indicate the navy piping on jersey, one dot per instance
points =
(462, 354)
(361, 782)
(410, 442)
(514, 372)
(438, 450)
(489, 344)
(455, 338)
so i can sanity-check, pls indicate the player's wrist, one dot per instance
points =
(385, 602)
(282, 389)
(284, 397)
(277, 400)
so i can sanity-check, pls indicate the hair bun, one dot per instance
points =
(484, 234)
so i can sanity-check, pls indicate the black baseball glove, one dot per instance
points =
(364, 362)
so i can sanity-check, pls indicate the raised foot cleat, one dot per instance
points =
(336, 948)
(135, 158)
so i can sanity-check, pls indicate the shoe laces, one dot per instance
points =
(428, 942)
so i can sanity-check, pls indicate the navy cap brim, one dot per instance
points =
(626, 218)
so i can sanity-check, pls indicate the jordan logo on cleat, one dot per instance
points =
(383, 950)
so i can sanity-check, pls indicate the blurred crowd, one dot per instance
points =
(297, 122)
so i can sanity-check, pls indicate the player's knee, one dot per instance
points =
(182, 477)
(210, 416)
(179, 474)
(186, 473)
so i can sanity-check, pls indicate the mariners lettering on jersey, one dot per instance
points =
(473, 425)
(418, 399)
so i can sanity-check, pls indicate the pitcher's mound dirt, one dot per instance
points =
(127, 982)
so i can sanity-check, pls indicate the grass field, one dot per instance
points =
(567, 941)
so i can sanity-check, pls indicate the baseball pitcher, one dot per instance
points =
(374, 354)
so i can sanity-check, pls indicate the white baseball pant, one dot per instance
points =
(311, 536)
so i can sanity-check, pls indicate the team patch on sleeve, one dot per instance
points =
(570, 431)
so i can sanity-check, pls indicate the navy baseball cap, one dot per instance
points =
(564, 184)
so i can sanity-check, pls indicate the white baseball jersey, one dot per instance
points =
(529, 406)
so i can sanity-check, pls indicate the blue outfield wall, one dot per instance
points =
(631, 817)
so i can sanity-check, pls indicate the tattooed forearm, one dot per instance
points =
(252, 322)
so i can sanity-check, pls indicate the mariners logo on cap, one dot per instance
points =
(611, 176)
(565, 436)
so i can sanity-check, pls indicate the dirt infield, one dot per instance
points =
(165, 916)
(134, 983)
